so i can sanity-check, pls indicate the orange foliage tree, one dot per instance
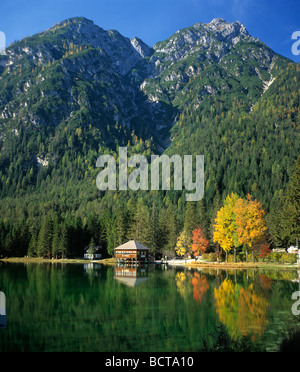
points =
(200, 243)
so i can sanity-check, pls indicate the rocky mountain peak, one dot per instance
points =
(143, 49)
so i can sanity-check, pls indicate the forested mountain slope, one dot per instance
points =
(76, 91)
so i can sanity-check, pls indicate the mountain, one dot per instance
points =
(76, 91)
(218, 57)
(73, 70)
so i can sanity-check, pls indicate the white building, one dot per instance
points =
(93, 253)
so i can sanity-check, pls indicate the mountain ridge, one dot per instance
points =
(78, 77)
(75, 92)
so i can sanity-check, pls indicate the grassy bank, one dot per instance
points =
(45, 260)
(195, 264)
(240, 265)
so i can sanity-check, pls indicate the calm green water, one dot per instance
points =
(69, 307)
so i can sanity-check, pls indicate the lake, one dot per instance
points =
(92, 307)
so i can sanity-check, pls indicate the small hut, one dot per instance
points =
(132, 252)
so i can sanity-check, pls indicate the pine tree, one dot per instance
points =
(169, 229)
(44, 243)
(63, 246)
(120, 226)
(190, 220)
(139, 230)
(155, 238)
(290, 215)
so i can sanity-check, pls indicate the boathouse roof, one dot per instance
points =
(132, 245)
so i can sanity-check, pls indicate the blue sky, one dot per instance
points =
(273, 22)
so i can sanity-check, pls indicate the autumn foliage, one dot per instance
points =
(243, 311)
(265, 250)
(239, 222)
(200, 243)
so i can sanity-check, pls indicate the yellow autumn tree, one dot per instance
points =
(225, 229)
(250, 222)
(183, 244)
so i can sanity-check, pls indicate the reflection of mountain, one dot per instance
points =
(131, 276)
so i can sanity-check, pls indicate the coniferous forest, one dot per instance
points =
(63, 103)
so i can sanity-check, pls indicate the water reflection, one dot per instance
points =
(241, 310)
(131, 276)
(241, 298)
(92, 269)
(2, 311)
(195, 280)
(152, 308)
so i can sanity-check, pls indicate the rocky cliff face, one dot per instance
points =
(77, 73)
(218, 56)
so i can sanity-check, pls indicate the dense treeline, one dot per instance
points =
(50, 205)
(245, 152)
(154, 219)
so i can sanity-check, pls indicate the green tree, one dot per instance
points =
(44, 243)
(290, 217)
(140, 230)
(190, 220)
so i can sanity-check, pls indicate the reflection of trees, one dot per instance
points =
(266, 282)
(181, 283)
(58, 307)
(199, 283)
(200, 286)
(226, 305)
(241, 309)
(253, 311)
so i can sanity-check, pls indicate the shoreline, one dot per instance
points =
(50, 260)
(188, 264)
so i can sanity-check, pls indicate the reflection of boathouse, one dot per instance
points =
(132, 253)
(130, 276)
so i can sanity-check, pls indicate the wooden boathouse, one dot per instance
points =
(132, 253)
